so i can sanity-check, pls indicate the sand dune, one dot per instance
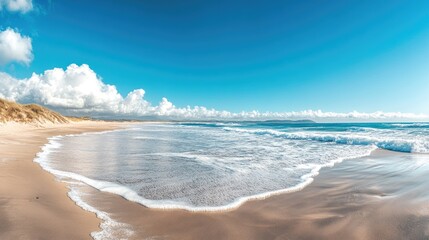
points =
(28, 113)
(33, 204)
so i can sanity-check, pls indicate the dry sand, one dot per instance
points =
(383, 196)
(33, 205)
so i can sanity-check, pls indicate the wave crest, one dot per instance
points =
(387, 143)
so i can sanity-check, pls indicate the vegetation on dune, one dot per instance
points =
(28, 113)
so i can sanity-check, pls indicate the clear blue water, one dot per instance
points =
(218, 166)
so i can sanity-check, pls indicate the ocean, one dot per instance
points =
(216, 166)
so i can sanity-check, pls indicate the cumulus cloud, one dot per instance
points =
(14, 47)
(22, 6)
(78, 90)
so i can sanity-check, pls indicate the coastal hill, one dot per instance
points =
(28, 113)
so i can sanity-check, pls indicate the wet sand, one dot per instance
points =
(383, 196)
(33, 205)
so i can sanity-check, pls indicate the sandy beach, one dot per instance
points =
(382, 196)
(33, 204)
(214, 120)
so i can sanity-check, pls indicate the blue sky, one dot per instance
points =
(277, 56)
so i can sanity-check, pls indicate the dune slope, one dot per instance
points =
(28, 113)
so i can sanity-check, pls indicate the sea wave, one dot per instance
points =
(209, 124)
(383, 142)
(409, 125)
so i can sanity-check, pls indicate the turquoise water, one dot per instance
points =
(219, 165)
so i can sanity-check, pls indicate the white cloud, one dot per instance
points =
(14, 47)
(78, 90)
(22, 6)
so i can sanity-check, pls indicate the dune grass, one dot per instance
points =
(28, 113)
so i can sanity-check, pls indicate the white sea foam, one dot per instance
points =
(410, 124)
(399, 144)
(219, 124)
(229, 124)
(110, 229)
(133, 196)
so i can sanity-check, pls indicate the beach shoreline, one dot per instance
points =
(33, 203)
(365, 198)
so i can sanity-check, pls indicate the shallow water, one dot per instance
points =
(217, 166)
